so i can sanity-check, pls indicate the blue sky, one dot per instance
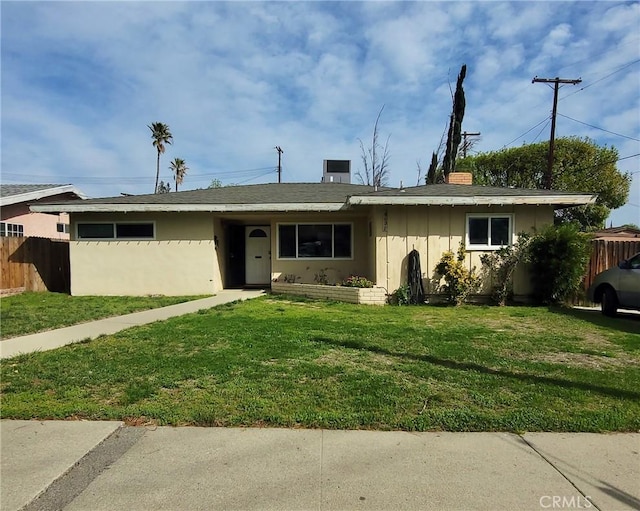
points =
(82, 80)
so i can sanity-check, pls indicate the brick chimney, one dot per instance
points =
(459, 178)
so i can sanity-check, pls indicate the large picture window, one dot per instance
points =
(119, 231)
(488, 232)
(319, 241)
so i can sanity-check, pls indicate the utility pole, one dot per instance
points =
(280, 151)
(556, 81)
(466, 134)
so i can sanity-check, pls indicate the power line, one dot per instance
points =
(603, 78)
(592, 56)
(546, 119)
(556, 85)
(255, 177)
(596, 127)
(540, 132)
(132, 179)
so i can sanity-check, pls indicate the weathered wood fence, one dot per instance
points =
(34, 264)
(608, 253)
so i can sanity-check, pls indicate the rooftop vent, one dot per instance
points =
(336, 171)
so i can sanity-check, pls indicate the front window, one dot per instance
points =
(315, 241)
(119, 231)
(488, 232)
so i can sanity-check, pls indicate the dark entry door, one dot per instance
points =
(235, 256)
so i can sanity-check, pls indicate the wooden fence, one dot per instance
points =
(34, 264)
(608, 253)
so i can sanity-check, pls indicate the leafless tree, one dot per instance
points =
(375, 159)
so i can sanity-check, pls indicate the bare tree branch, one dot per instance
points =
(376, 167)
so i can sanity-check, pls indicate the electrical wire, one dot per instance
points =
(256, 177)
(540, 132)
(530, 129)
(246, 173)
(599, 80)
(596, 127)
(591, 57)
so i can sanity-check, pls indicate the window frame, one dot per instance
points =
(297, 257)
(488, 216)
(115, 237)
(11, 230)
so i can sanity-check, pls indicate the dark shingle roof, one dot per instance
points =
(272, 193)
(315, 196)
(9, 190)
(32, 193)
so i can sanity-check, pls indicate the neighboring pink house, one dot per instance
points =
(17, 220)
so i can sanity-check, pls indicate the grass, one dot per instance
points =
(294, 363)
(28, 313)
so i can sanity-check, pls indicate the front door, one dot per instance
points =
(258, 255)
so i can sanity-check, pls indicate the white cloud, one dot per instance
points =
(81, 82)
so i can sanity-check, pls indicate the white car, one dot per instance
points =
(617, 287)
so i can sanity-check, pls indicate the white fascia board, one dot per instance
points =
(40, 194)
(208, 208)
(480, 200)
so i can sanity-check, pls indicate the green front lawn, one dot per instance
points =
(28, 313)
(286, 362)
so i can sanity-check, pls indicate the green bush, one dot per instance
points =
(355, 281)
(459, 281)
(501, 265)
(401, 296)
(558, 257)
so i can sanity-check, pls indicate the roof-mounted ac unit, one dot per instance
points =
(336, 171)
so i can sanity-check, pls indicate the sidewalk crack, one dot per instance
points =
(534, 449)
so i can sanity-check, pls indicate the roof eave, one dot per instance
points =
(81, 207)
(40, 194)
(551, 200)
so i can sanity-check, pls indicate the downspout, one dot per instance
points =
(385, 228)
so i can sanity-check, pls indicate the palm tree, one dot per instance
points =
(179, 169)
(161, 135)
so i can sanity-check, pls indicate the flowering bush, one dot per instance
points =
(459, 281)
(355, 281)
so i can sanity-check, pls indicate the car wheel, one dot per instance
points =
(609, 303)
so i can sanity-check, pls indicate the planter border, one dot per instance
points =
(360, 295)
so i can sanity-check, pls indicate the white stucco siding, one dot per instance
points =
(137, 268)
(181, 260)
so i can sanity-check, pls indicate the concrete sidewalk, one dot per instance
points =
(109, 466)
(55, 338)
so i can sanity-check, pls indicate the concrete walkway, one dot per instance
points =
(108, 466)
(55, 338)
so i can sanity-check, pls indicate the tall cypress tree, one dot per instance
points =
(433, 175)
(454, 136)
